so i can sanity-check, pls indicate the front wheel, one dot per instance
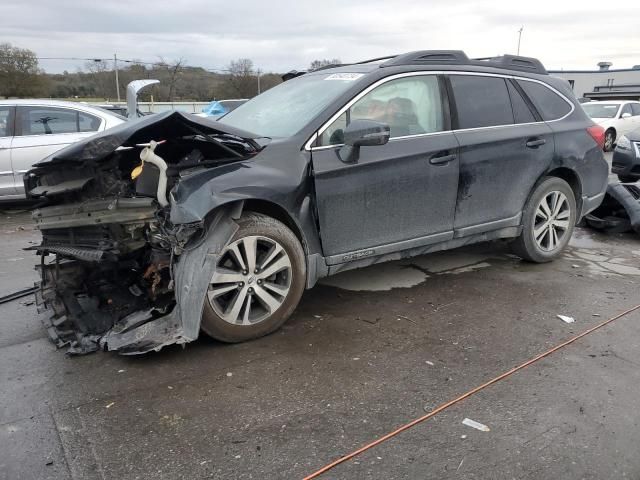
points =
(547, 221)
(258, 281)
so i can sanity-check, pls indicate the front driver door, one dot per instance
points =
(397, 195)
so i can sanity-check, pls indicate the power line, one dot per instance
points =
(135, 62)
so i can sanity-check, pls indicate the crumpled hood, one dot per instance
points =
(159, 126)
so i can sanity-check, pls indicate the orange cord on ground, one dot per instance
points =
(444, 406)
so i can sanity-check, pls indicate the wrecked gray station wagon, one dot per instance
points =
(169, 225)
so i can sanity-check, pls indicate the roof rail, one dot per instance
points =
(458, 57)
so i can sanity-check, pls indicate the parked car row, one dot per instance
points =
(617, 117)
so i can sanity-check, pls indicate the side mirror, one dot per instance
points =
(625, 115)
(362, 133)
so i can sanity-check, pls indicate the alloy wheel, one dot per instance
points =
(252, 279)
(551, 221)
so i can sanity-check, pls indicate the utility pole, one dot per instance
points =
(258, 81)
(519, 38)
(115, 67)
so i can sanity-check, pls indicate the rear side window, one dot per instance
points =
(549, 104)
(481, 101)
(521, 111)
(635, 108)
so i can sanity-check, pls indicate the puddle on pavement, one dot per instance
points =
(408, 273)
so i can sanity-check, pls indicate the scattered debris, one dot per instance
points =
(477, 425)
(110, 405)
(229, 374)
(619, 211)
(49, 463)
(429, 363)
(121, 371)
(463, 437)
(566, 319)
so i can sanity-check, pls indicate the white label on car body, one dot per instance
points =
(349, 77)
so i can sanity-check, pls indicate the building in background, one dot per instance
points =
(603, 84)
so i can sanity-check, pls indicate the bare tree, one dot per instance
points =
(101, 73)
(316, 64)
(19, 72)
(241, 79)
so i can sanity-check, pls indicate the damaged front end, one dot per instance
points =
(120, 269)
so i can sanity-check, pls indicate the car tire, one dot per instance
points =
(627, 178)
(543, 239)
(244, 303)
(609, 140)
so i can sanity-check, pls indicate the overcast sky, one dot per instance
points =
(283, 35)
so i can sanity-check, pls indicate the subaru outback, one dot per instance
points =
(161, 228)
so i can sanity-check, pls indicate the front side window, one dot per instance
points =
(48, 120)
(5, 114)
(635, 109)
(410, 106)
(481, 101)
(625, 109)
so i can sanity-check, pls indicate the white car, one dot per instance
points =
(617, 117)
(31, 130)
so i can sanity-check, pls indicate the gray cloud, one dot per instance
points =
(280, 35)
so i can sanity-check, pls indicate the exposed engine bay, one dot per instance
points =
(118, 266)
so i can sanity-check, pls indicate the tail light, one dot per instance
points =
(597, 133)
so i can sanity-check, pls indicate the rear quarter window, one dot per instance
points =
(549, 104)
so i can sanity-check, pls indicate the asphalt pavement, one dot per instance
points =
(365, 352)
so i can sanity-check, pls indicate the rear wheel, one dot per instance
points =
(548, 221)
(259, 279)
(609, 140)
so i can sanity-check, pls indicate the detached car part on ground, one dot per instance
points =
(221, 230)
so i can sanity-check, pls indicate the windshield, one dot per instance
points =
(284, 110)
(601, 110)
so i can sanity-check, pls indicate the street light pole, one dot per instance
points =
(519, 38)
(258, 81)
(115, 67)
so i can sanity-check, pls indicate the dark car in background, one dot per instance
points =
(626, 157)
(224, 224)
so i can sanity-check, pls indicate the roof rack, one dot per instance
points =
(458, 57)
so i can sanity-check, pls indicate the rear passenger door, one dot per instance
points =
(504, 148)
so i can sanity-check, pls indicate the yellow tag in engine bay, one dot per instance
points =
(135, 173)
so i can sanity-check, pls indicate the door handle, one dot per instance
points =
(441, 160)
(535, 143)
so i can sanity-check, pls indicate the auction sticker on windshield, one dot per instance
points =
(344, 76)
